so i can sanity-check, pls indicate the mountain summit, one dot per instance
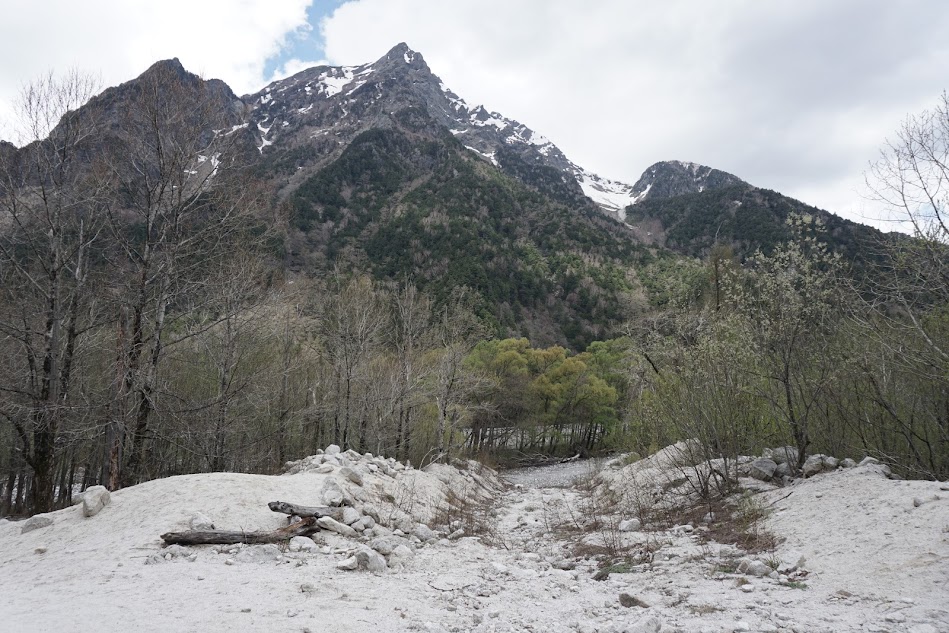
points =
(326, 106)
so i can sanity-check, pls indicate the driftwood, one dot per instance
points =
(303, 527)
(305, 511)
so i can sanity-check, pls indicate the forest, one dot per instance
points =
(147, 328)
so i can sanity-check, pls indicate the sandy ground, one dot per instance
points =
(875, 561)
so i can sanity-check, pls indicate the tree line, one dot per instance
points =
(146, 331)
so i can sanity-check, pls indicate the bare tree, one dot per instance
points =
(50, 221)
(178, 208)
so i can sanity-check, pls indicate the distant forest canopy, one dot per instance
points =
(163, 312)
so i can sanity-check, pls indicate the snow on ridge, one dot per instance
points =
(489, 156)
(609, 194)
(334, 80)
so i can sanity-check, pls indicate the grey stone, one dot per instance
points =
(351, 475)
(784, 455)
(332, 449)
(753, 567)
(629, 525)
(325, 469)
(649, 624)
(629, 601)
(333, 494)
(201, 521)
(783, 470)
(847, 463)
(349, 564)
(762, 468)
(36, 522)
(792, 560)
(259, 554)
(301, 544)
(94, 499)
(831, 463)
(423, 533)
(351, 515)
(331, 524)
(385, 545)
(371, 560)
(813, 465)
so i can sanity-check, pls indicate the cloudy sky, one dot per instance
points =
(792, 95)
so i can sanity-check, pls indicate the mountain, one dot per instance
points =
(317, 112)
(382, 169)
(689, 208)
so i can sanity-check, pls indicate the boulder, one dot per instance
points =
(94, 499)
(351, 516)
(351, 475)
(301, 544)
(36, 522)
(762, 468)
(331, 524)
(784, 455)
(333, 495)
(349, 564)
(385, 545)
(371, 560)
(753, 567)
(629, 525)
(847, 463)
(830, 463)
(200, 522)
(332, 449)
(423, 533)
(629, 601)
(814, 465)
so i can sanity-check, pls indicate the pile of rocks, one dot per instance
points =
(382, 510)
(780, 465)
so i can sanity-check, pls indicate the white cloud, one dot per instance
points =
(795, 97)
(292, 67)
(119, 39)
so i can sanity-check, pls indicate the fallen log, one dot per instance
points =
(306, 511)
(303, 527)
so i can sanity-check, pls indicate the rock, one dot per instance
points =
(783, 470)
(649, 624)
(301, 544)
(94, 499)
(632, 601)
(401, 555)
(785, 455)
(307, 588)
(564, 564)
(847, 463)
(385, 545)
(325, 469)
(41, 550)
(423, 533)
(371, 560)
(813, 465)
(831, 463)
(36, 522)
(629, 525)
(333, 495)
(753, 567)
(351, 515)
(331, 524)
(791, 561)
(332, 449)
(866, 461)
(201, 522)
(457, 534)
(762, 469)
(259, 554)
(351, 475)
(350, 564)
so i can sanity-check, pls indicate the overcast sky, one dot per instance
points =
(792, 95)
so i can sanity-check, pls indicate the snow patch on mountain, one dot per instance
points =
(609, 194)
